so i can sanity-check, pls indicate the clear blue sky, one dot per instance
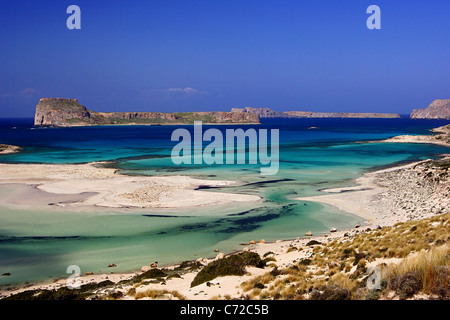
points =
(186, 55)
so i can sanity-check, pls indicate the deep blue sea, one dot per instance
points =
(315, 154)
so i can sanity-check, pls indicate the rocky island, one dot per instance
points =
(438, 109)
(7, 149)
(62, 112)
(270, 113)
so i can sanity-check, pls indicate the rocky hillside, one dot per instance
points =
(62, 112)
(438, 109)
(269, 113)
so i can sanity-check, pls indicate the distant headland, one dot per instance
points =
(270, 113)
(63, 112)
(438, 109)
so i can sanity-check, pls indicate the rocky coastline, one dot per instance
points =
(440, 136)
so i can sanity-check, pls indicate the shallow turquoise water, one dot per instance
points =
(36, 245)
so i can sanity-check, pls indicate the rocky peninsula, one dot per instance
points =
(270, 113)
(7, 149)
(441, 136)
(62, 112)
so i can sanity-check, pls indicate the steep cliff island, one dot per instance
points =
(61, 112)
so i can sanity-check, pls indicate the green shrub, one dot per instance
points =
(150, 274)
(259, 285)
(232, 265)
(94, 286)
(189, 266)
(406, 285)
(62, 293)
(269, 259)
(331, 293)
(373, 295)
(115, 295)
(31, 295)
(305, 262)
(358, 257)
(275, 272)
(313, 243)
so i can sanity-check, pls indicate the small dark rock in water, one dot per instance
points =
(7, 274)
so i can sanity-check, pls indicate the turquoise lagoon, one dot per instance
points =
(38, 245)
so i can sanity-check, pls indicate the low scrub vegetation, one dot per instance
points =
(412, 260)
(64, 293)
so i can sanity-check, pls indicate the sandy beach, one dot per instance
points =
(91, 185)
(392, 195)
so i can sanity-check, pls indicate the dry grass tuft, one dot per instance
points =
(159, 294)
(427, 272)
